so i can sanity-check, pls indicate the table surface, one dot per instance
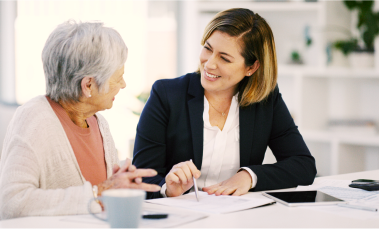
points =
(276, 215)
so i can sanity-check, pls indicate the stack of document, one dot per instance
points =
(211, 203)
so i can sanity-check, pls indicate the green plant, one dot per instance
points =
(346, 46)
(143, 97)
(368, 26)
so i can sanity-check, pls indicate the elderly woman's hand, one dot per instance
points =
(128, 176)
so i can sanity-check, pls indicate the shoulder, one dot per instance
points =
(177, 85)
(33, 123)
(34, 104)
(37, 109)
(272, 98)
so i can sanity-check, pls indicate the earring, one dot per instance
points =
(89, 96)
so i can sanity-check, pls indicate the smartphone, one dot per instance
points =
(364, 180)
(365, 184)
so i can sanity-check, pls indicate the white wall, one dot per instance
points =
(6, 114)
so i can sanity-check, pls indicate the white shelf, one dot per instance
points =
(344, 138)
(332, 72)
(315, 93)
(217, 6)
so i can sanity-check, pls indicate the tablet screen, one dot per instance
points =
(304, 197)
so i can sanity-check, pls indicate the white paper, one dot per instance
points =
(339, 189)
(211, 203)
(174, 219)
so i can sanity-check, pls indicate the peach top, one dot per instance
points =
(87, 144)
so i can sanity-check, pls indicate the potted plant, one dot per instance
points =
(361, 50)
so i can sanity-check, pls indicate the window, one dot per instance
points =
(151, 42)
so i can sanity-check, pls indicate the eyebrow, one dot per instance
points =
(223, 53)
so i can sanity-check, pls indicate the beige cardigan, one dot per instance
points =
(39, 174)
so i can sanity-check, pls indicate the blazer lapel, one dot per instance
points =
(196, 108)
(247, 118)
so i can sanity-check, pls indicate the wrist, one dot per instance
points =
(248, 177)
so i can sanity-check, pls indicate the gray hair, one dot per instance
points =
(78, 49)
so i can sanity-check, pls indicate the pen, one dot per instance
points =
(360, 207)
(195, 184)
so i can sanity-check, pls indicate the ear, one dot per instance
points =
(87, 86)
(253, 68)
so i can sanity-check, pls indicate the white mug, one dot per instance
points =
(122, 206)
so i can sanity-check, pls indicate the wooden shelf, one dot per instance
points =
(212, 6)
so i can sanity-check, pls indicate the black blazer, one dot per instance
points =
(170, 131)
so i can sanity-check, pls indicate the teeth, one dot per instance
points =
(211, 76)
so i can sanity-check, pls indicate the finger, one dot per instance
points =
(172, 178)
(229, 191)
(195, 172)
(187, 171)
(146, 187)
(116, 167)
(182, 176)
(237, 192)
(205, 189)
(138, 180)
(132, 168)
(141, 173)
(126, 165)
(212, 189)
(220, 190)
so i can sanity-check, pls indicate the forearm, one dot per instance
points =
(20, 200)
(294, 171)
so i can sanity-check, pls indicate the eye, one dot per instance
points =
(207, 48)
(226, 60)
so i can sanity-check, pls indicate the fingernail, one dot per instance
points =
(154, 172)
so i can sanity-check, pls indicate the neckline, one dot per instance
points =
(233, 110)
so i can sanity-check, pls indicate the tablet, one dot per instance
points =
(302, 198)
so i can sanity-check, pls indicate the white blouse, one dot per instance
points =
(221, 149)
(221, 152)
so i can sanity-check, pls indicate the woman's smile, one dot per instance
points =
(210, 77)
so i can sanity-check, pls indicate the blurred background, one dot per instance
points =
(328, 56)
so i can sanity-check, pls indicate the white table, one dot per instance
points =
(276, 215)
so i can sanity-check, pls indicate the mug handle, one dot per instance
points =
(89, 208)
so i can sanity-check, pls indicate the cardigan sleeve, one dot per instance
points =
(150, 142)
(295, 165)
(21, 193)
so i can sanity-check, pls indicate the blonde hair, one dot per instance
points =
(257, 43)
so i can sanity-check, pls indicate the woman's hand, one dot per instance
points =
(237, 185)
(179, 179)
(128, 176)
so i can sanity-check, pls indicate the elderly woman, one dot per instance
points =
(58, 152)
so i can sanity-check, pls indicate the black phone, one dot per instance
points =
(155, 216)
(365, 180)
(365, 184)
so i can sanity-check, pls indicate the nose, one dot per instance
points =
(123, 84)
(211, 63)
